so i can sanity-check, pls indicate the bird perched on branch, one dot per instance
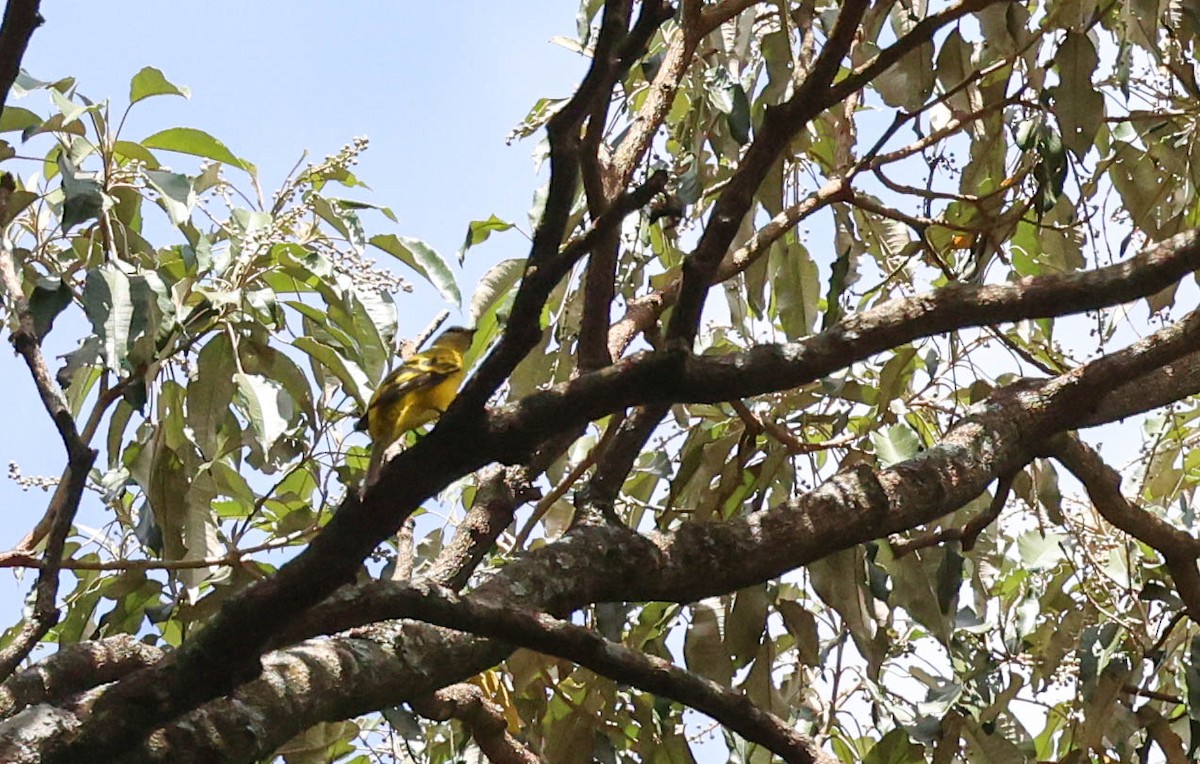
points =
(415, 393)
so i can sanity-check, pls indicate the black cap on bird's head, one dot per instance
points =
(455, 336)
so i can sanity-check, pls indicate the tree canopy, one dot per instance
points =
(843, 396)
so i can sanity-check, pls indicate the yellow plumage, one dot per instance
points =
(416, 393)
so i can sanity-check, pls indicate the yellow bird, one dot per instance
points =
(416, 393)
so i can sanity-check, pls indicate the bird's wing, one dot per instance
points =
(419, 371)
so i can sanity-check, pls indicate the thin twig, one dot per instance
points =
(547, 502)
(1103, 484)
(20, 559)
(968, 534)
(65, 502)
(780, 433)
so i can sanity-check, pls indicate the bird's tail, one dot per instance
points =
(376, 464)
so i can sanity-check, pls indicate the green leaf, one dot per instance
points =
(839, 579)
(352, 377)
(50, 297)
(354, 204)
(986, 745)
(703, 648)
(541, 112)
(795, 282)
(198, 531)
(25, 84)
(87, 354)
(164, 477)
(83, 199)
(344, 221)
(896, 375)
(494, 286)
(135, 151)
(381, 309)
(895, 748)
(746, 623)
(16, 118)
(1049, 495)
(177, 195)
(1040, 551)
(739, 116)
(953, 67)
(189, 140)
(375, 350)
(153, 317)
(478, 232)
(70, 110)
(151, 82)
(895, 444)
(910, 81)
(117, 423)
(319, 326)
(802, 625)
(107, 304)
(841, 275)
(266, 405)
(251, 222)
(210, 393)
(1026, 132)
(17, 204)
(423, 259)
(258, 358)
(1077, 104)
(55, 124)
(949, 578)
(912, 587)
(720, 89)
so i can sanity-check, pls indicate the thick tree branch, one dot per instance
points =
(672, 377)
(602, 185)
(75, 668)
(378, 601)
(315, 681)
(608, 563)
(1155, 389)
(21, 18)
(501, 490)
(995, 439)
(427, 467)
(482, 717)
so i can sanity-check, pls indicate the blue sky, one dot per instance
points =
(436, 89)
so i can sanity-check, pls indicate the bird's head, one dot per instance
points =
(456, 337)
